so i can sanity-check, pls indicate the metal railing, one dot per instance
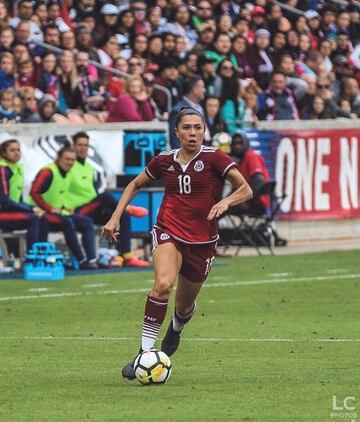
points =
(110, 70)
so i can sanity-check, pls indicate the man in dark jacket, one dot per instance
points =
(277, 102)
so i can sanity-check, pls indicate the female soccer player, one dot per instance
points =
(15, 214)
(185, 234)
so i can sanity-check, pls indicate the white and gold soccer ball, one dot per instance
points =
(222, 141)
(152, 367)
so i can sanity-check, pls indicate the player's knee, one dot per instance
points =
(162, 288)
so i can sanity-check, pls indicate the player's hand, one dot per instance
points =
(111, 230)
(38, 211)
(218, 209)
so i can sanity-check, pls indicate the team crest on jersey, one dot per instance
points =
(199, 166)
(164, 236)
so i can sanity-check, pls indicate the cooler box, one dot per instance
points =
(44, 263)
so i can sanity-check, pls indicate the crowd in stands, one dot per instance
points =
(238, 61)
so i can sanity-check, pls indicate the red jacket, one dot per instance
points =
(126, 109)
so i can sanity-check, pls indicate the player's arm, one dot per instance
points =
(242, 192)
(111, 228)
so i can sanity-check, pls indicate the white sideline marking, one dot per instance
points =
(40, 289)
(225, 284)
(337, 270)
(233, 339)
(91, 286)
(279, 274)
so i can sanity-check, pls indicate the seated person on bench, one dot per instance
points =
(253, 167)
(86, 201)
(15, 214)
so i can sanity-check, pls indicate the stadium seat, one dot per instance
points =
(252, 228)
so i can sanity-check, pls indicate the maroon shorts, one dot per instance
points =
(197, 258)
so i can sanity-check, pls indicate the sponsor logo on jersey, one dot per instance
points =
(164, 236)
(171, 168)
(199, 166)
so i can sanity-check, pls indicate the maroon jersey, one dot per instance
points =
(190, 192)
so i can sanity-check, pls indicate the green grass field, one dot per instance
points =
(274, 339)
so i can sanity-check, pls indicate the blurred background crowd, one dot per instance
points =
(237, 61)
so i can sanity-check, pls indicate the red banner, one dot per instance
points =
(318, 170)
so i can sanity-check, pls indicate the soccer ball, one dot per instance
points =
(222, 141)
(152, 367)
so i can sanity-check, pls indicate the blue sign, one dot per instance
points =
(140, 148)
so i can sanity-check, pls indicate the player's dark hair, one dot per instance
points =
(67, 147)
(78, 135)
(187, 111)
(4, 146)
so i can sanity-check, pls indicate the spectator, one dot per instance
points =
(70, 97)
(239, 50)
(84, 41)
(4, 14)
(7, 71)
(193, 93)
(205, 41)
(232, 104)
(108, 51)
(28, 28)
(203, 13)
(170, 43)
(136, 65)
(6, 101)
(115, 83)
(214, 124)
(27, 74)
(260, 58)
(251, 93)
(169, 79)
(140, 45)
(47, 110)
(222, 50)
(154, 53)
(49, 192)
(207, 72)
(107, 24)
(48, 77)
(297, 85)
(134, 106)
(68, 41)
(180, 26)
(6, 39)
(318, 110)
(350, 92)
(29, 112)
(323, 90)
(141, 25)
(225, 72)
(277, 102)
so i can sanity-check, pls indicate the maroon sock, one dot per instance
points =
(155, 312)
